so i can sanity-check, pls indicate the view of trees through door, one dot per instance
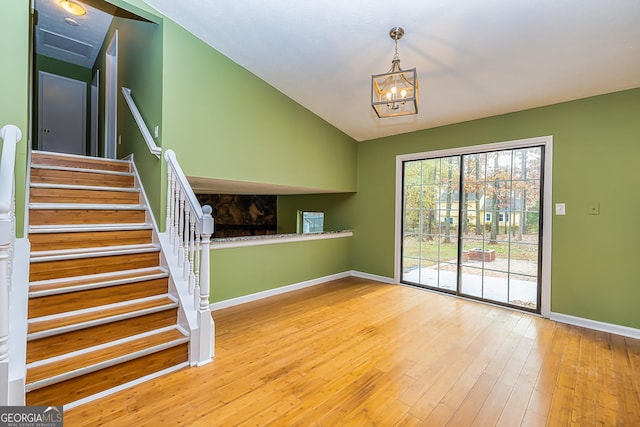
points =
(472, 225)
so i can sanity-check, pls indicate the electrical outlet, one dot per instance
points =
(593, 208)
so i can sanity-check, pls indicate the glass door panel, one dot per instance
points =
(472, 225)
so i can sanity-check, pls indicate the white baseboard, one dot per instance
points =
(276, 291)
(596, 325)
(294, 287)
(375, 277)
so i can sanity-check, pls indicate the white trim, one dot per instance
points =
(79, 157)
(125, 386)
(383, 279)
(237, 242)
(85, 187)
(86, 170)
(84, 370)
(56, 254)
(111, 99)
(87, 206)
(95, 322)
(33, 292)
(97, 276)
(596, 325)
(276, 291)
(79, 228)
(547, 142)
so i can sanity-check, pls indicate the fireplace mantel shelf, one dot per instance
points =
(236, 242)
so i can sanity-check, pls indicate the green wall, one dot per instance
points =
(139, 69)
(596, 146)
(336, 207)
(14, 88)
(224, 122)
(242, 271)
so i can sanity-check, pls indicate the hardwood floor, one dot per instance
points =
(357, 352)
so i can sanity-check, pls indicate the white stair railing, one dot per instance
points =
(148, 139)
(10, 136)
(189, 229)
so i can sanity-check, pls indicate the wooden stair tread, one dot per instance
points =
(87, 206)
(92, 252)
(93, 359)
(73, 176)
(87, 239)
(84, 266)
(97, 316)
(82, 195)
(56, 159)
(58, 345)
(83, 228)
(58, 304)
(97, 280)
(106, 379)
(83, 187)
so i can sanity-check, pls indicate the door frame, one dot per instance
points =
(547, 142)
(111, 98)
(95, 110)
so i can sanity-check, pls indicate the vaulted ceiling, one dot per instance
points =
(475, 58)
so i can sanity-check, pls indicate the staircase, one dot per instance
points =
(100, 313)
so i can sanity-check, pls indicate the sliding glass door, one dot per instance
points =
(472, 225)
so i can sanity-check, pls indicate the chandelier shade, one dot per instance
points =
(395, 93)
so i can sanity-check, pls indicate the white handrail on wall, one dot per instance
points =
(189, 228)
(10, 135)
(144, 130)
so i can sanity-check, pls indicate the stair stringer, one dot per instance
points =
(178, 287)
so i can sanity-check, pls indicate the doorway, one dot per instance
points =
(472, 223)
(61, 114)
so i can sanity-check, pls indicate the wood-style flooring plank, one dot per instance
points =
(355, 352)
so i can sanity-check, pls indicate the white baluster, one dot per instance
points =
(187, 235)
(181, 231)
(170, 184)
(192, 261)
(198, 256)
(176, 219)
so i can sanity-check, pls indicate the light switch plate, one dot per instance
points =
(593, 208)
(560, 209)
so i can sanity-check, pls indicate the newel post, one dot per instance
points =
(10, 135)
(206, 328)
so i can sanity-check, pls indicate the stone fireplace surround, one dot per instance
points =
(242, 215)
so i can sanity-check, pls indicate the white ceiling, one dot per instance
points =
(77, 41)
(475, 58)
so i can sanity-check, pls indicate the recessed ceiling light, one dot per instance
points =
(71, 22)
(72, 7)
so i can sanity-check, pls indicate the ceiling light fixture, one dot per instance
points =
(395, 93)
(73, 7)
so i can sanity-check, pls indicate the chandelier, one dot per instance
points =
(395, 93)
